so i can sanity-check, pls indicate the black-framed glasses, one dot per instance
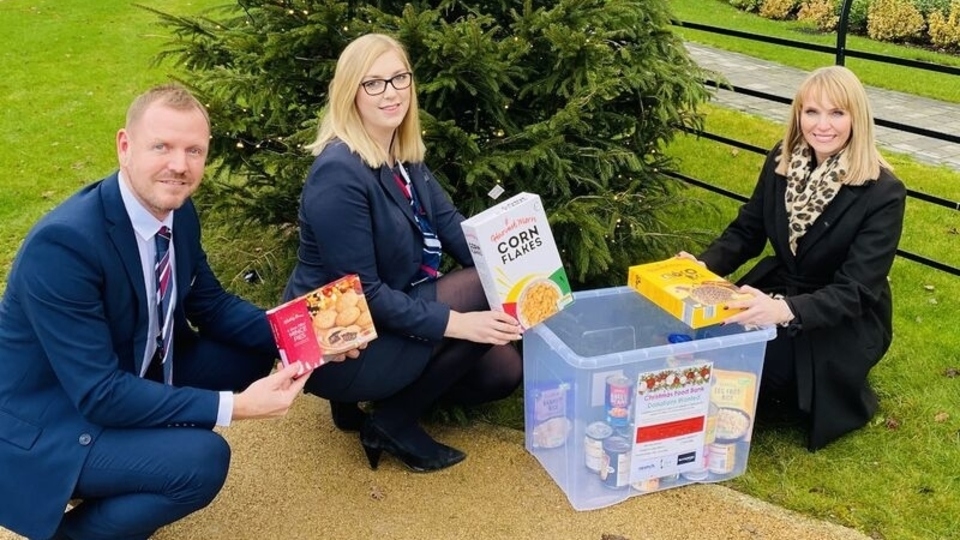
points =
(375, 87)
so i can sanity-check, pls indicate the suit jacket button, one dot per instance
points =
(85, 439)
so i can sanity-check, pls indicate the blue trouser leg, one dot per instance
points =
(137, 480)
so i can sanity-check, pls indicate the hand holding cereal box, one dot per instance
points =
(686, 289)
(517, 259)
(330, 320)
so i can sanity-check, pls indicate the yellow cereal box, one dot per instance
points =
(517, 259)
(685, 289)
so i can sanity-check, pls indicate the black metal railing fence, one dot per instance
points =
(840, 52)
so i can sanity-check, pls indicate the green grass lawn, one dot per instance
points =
(71, 68)
(891, 479)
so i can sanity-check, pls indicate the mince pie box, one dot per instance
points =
(517, 259)
(685, 289)
(330, 320)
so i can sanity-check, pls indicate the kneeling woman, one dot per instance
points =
(371, 207)
(832, 210)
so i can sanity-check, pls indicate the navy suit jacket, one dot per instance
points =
(73, 332)
(355, 219)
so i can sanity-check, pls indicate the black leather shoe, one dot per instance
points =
(347, 416)
(438, 456)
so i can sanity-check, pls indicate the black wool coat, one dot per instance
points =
(836, 285)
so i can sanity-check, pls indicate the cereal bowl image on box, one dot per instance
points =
(538, 299)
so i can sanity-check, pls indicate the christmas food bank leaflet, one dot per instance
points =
(517, 259)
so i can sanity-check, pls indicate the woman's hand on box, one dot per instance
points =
(689, 257)
(760, 309)
(493, 327)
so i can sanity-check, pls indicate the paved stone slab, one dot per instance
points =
(756, 74)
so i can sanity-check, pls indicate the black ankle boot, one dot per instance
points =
(347, 416)
(422, 456)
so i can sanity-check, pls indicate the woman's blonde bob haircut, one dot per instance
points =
(341, 119)
(839, 86)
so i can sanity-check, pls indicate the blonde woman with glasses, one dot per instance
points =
(371, 207)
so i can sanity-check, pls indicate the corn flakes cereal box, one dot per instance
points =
(686, 290)
(517, 259)
(330, 320)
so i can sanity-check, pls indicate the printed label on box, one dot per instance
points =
(671, 418)
(330, 320)
(733, 394)
(685, 289)
(517, 259)
(550, 423)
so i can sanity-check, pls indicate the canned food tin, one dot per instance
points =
(596, 433)
(619, 390)
(615, 469)
(696, 475)
(670, 478)
(647, 486)
(723, 458)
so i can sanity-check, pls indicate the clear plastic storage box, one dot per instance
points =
(621, 398)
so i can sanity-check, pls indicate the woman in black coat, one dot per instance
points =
(832, 210)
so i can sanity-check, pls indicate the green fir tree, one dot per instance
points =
(570, 99)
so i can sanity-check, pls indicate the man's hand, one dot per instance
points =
(271, 396)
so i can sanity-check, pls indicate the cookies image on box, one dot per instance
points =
(341, 317)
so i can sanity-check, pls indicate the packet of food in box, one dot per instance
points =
(733, 395)
(685, 289)
(550, 422)
(330, 320)
(517, 259)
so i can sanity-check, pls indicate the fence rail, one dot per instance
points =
(840, 53)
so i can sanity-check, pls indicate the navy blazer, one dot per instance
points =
(355, 219)
(73, 332)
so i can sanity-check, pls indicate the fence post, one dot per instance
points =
(842, 31)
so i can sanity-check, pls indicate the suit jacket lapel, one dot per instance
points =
(419, 180)
(184, 228)
(389, 184)
(124, 241)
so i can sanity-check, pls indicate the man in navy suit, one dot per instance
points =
(80, 417)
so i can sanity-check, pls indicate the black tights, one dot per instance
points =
(459, 372)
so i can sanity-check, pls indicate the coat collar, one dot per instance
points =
(842, 202)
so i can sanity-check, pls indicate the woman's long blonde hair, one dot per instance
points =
(341, 119)
(839, 86)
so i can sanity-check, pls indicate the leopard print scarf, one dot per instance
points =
(809, 189)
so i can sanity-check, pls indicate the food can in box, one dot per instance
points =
(647, 486)
(596, 433)
(615, 470)
(619, 391)
(723, 458)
